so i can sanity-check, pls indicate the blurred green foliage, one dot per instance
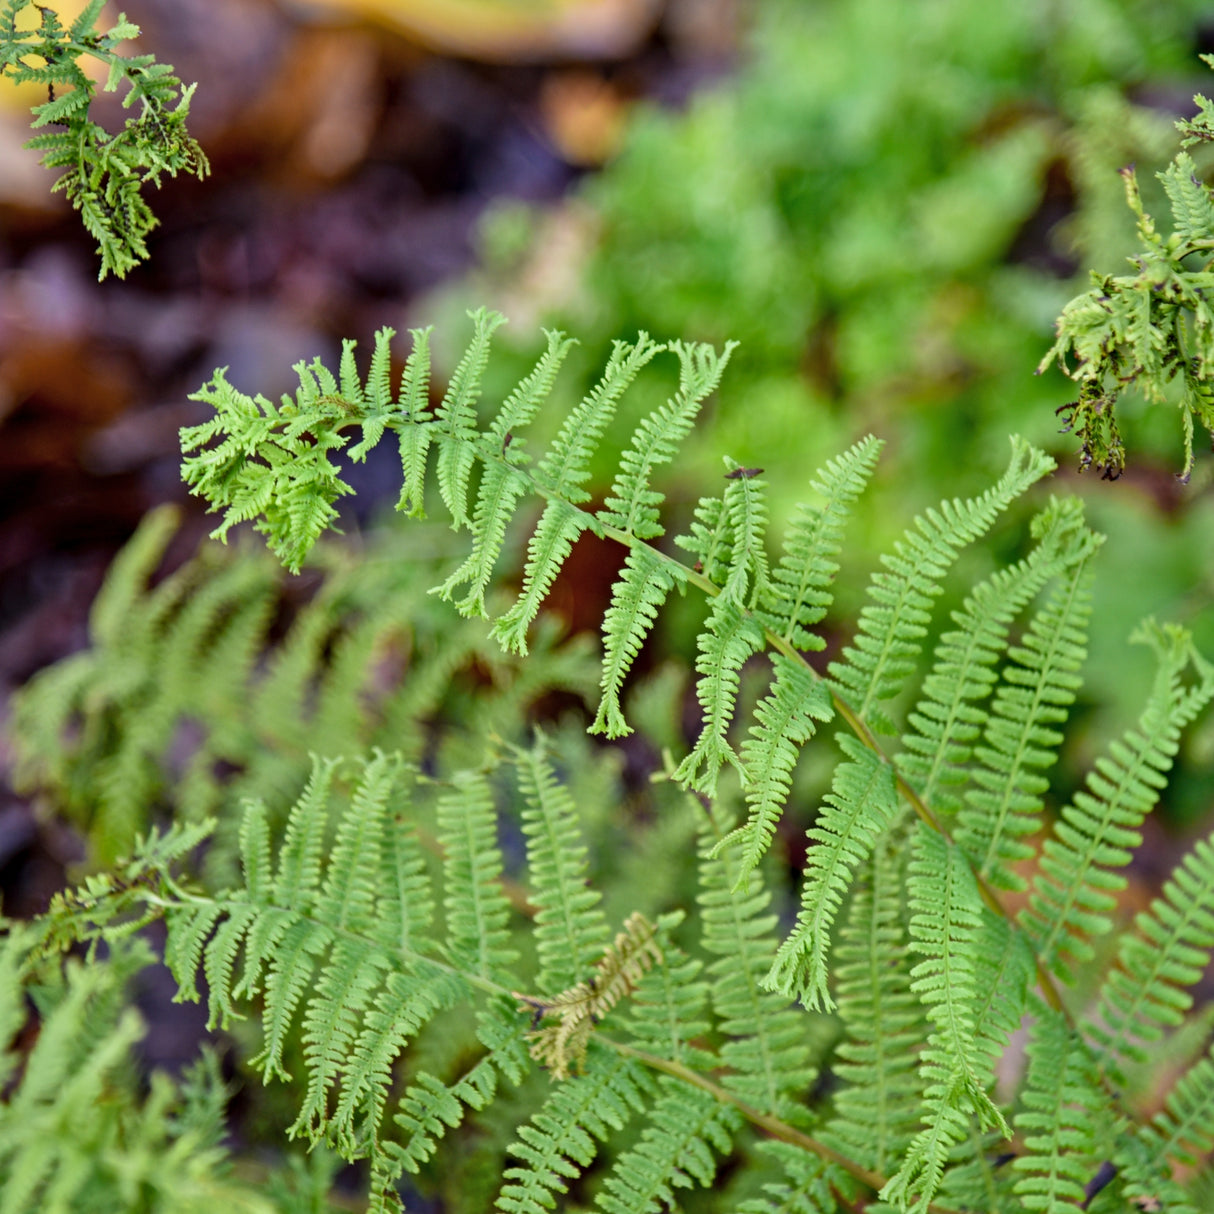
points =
(889, 206)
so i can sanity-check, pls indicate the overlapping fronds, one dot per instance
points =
(103, 174)
(192, 696)
(1074, 892)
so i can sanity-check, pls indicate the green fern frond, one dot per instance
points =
(636, 598)
(103, 173)
(570, 930)
(1074, 891)
(892, 627)
(1036, 688)
(746, 508)
(877, 1061)
(805, 1188)
(477, 908)
(946, 916)
(861, 805)
(949, 716)
(729, 639)
(632, 505)
(685, 1127)
(785, 719)
(1145, 994)
(799, 593)
(1062, 1123)
(668, 1010)
(414, 438)
(560, 1140)
(767, 1050)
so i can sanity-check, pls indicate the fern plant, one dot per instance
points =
(103, 174)
(847, 1061)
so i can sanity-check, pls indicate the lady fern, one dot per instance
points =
(850, 1059)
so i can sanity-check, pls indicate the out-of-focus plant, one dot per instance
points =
(103, 173)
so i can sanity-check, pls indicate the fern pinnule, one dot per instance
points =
(949, 716)
(746, 508)
(1037, 687)
(798, 593)
(668, 1010)
(570, 929)
(1145, 994)
(892, 627)
(632, 505)
(1075, 888)
(861, 805)
(805, 1186)
(413, 437)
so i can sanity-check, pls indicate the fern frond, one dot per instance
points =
(1146, 993)
(949, 715)
(767, 1049)
(561, 1047)
(477, 908)
(892, 627)
(570, 930)
(946, 916)
(500, 485)
(1021, 741)
(669, 1009)
(805, 1189)
(746, 508)
(684, 1128)
(414, 438)
(860, 807)
(1062, 1125)
(798, 594)
(785, 719)
(636, 598)
(1075, 888)
(876, 1109)
(632, 505)
(560, 1139)
(730, 637)
(456, 417)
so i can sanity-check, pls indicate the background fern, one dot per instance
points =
(393, 904)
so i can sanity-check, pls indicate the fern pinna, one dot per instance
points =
(850, 1061)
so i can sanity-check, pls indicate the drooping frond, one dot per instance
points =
(798, 593)
(632, 505)
(501, 486)
(785, 719)
(1075, 887)
(946, 917)
(730, 637)
(860, 806)
(1021, 739)
(949, 716)
(560, 1140)
(570, 930)
(103, 173)
(636, 597)
(1145, 994)
(767, 1050)
(892, 627)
